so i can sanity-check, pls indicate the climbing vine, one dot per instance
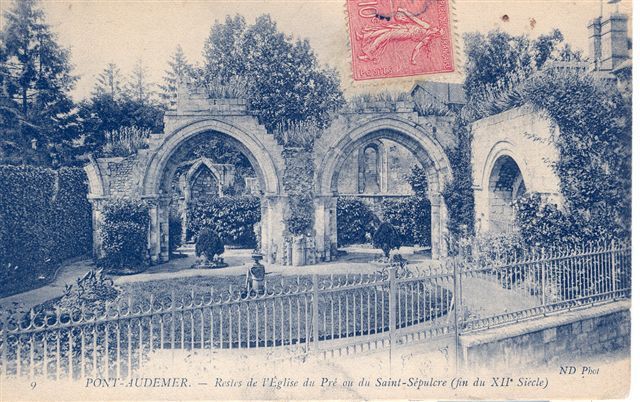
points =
(594, 143)
(458, 193)
(298, 184)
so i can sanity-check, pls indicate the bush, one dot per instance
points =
(208, 243)
(386, 238)
(125, 141)
(231, 217)
(45, 218)
(356, 221)
(124, 234)
(175, 232)
(399, 213)
(91, 292)
(544, 225)
(411, 217)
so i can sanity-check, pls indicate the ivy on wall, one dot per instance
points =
(458, 193)
(298, 184)
(594, 143)
(45, 218)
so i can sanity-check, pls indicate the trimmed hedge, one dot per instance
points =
(356, 222)
(45, 218)
(124, 233)
(231, 217)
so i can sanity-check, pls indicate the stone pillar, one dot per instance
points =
(438, 227)
(183, 211)
(97, 204)
(482, 201)
(154, 231)
(384, 169)
(158, 228)
(326, 234)
(272, 227)
(163, 221)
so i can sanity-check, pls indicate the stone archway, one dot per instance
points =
(427, 150)
(506, 185)
(162, 165)
(505, 177)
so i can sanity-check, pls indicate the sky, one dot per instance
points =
(124, 31)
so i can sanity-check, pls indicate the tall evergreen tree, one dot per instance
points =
(138, 88)
(179, 70)
(39, 118)
(110, 108)
(109, 82)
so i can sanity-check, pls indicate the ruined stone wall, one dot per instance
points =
(524, 135)
(397, 162)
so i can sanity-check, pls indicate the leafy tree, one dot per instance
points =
(38, 119)
(285, 83)
(498, 62)
(179, 70)
(494, 60)
(355, 220)
(223, 52)
(417, 179)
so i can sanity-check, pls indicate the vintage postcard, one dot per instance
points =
(340, 199)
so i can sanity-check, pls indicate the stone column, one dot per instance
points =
(272, 227)
(481, 199)
(325, 227)
(163, 221)
(438, 227)
(154, 230)
(158, 228)
(97, 203)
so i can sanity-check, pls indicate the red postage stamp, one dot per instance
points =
(399, 38)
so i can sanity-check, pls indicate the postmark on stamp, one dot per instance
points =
(399, 38)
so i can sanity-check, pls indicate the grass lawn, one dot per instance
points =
(286, 319)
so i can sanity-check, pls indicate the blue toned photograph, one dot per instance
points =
(346, 199)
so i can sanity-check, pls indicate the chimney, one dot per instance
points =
(595, 43)
(614, 41)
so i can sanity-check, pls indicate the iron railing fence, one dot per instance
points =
(320, 314)
(542, 281)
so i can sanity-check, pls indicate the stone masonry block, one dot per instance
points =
(549, 335)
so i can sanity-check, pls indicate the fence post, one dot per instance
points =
(392, 306)
(614, 278)
(457, 300)
(315, 316)
(173, 326)
(544, 282)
